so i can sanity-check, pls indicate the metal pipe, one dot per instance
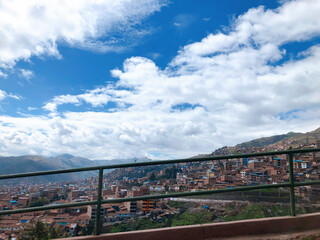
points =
(160, 162)
(43, 208)
(291, 181)
(98, 215)
(158, 196)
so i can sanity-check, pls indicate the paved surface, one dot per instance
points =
(308, 235)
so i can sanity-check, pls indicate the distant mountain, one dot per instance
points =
(292, 139)
(265, 141)
(303, 138)
(121, 161)
(35, 163)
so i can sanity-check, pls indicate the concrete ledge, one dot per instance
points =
(191, 232)
(250, 227)
(262, 226)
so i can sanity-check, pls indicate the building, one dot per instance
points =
(147, 205)
(131, 206)
(244, 161)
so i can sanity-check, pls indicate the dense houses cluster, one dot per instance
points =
(69, 219)
(174, 178)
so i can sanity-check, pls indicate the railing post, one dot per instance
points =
(291, 181)
(98, 215)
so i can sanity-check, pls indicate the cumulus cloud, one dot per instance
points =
(34, 28)
(4, 95)
(96, 98)
(3, 75)
(229, 87)
(31, 108)
(63, 99)
(25, 73)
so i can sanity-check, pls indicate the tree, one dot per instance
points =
(40, 231)
(168, 221)
(76, 231)
(152, 177)
(52, 232)
(41, 202)
(88, 229)
(171, 172)
(37, 231)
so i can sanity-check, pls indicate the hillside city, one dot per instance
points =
(141, 181)
(159, 119)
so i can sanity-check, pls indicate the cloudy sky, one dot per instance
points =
(163, 79)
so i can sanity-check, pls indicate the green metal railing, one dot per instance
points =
(291, 184)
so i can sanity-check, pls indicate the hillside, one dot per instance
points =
(304, 138)
(290, 139)
(265, 141)
(35, 163)
(296, 139)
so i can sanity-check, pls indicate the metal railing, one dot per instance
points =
(291, 184)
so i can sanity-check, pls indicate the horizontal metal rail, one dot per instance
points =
(157, 196)
(291, 184)
(159, 162)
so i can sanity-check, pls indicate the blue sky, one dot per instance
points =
(177, 24)
(162, 79)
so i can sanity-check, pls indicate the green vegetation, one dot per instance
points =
(275, 190)
(192, 218)
(140, 224)
(194, 213)
(152, 177)
(252, 211)
(264, 141)
(169, 173)
(88, 230)
(314, 237)
(177, 204)
(190, 213)
(40, 202)
(41, 231)
(170, 221)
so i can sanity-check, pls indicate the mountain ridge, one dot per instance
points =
(264, 141)
(290, 140)
(34, 163)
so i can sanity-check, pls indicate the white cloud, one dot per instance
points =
(4, 95)
(155, 55)
(3, 75)
(227, 88)
(96, 98)
(31, 108)
(182, 21)
(294, 21)
(35, 28)
(25, 73)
